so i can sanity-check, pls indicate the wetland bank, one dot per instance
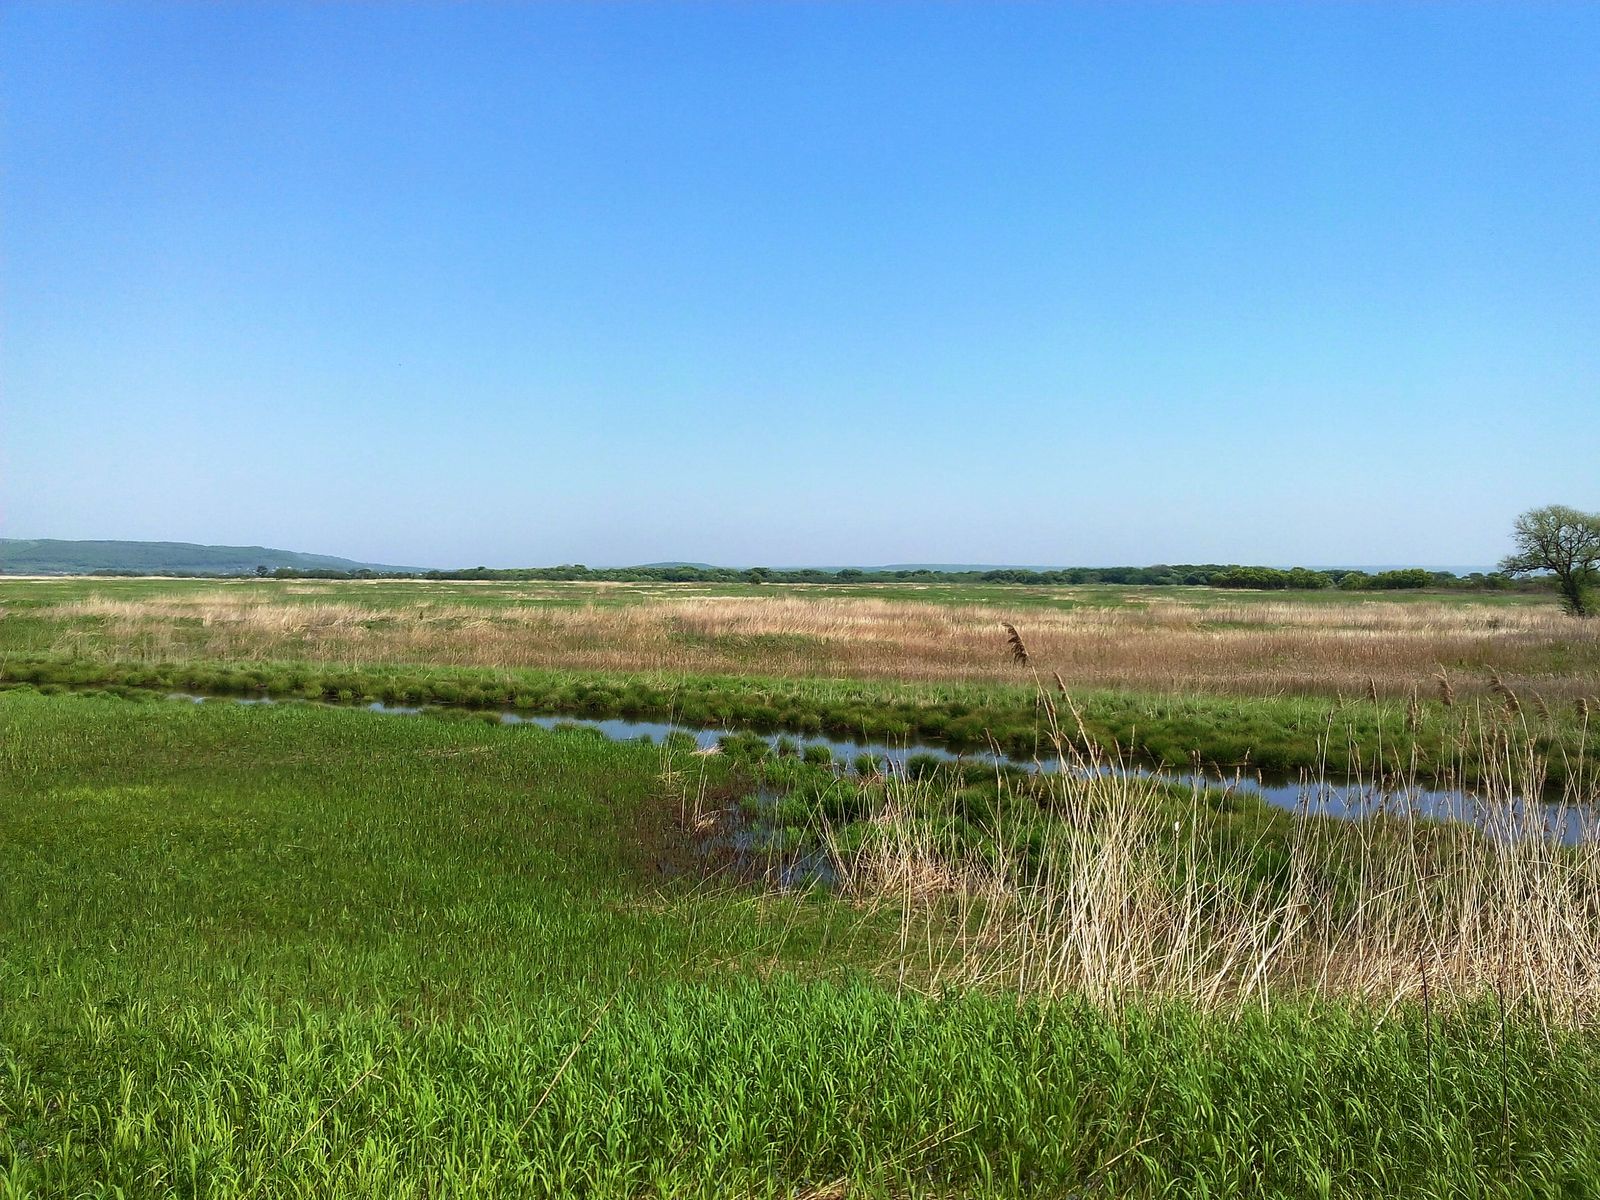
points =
(306, 949)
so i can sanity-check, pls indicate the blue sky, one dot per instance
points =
(515, 284)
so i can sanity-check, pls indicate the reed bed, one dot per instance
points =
(1248, 647)
(1099, 883)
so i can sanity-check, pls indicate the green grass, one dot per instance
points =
(295, 951)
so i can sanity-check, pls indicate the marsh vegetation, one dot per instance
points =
(300, 949)
(308, 951)
(1182, 640)
(1097, 880)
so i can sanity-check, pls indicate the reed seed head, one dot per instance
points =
(1019, 651)
(1447, 694)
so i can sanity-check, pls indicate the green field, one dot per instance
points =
(310, 952)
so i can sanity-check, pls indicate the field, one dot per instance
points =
(309, 952)
(304, 950)
(1148, 639)
(1172, 675)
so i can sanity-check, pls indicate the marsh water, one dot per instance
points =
(1349, 799)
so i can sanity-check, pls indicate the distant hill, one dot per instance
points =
(47, 556)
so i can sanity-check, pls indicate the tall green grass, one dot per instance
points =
(781, 1088)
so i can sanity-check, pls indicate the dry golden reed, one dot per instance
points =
(1447, 694)
(1019, 651)
(1101, 894)
(1500, 688)
(1243, 646)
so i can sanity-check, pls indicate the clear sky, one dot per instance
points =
(1058, 284)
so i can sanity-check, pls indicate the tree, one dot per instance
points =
(1565, 542)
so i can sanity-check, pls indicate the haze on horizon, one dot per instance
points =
(1082, 285)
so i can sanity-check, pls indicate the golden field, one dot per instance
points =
(1148, 639)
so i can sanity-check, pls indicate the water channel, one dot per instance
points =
(1349, 799)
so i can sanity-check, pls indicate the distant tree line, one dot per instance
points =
(1195, 575)
(1220, 575)
(1301, 579)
